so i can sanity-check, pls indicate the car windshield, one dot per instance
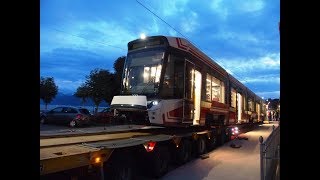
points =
(84, 111)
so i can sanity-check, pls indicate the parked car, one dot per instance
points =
(68, 115)
(104, 116)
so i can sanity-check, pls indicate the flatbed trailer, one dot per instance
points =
(110, 152)
(63, 152)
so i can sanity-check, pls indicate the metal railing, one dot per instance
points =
(270, 155)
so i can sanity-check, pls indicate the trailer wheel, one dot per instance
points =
(122, 173)
(73, 123)
(161, 162)
(120, 168)
(228, 136)
(201, 146)
(222, 137)
(211, 143)
(184, 151)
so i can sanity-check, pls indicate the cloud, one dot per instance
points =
(235, 37)
(262, 72)
(190, 24)
(92, 35)
(224, 9)
(251, 5)
(240, 42)
(111, 32)
(73, 64)
(242, 65)
(274, 78)
(171, 8)
(66, 81)
(68, 86)
(173, 32)
(155, 27)
(269, 94)
(76, 37)
(218, 8)
(175, 13)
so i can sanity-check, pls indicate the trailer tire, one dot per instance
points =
(161, 160)
(211, 143)
(184, 151)
(122, 173)
(201, 146)
(120, 168)
(228, 136)
(223, 138)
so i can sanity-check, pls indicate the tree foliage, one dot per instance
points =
(118, 68)
(48, 89)
(101, 84)
(83, 93)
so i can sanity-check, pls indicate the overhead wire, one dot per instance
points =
(232, 73)
(160, 18)
(239, 78)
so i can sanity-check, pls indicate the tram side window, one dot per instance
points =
(223, 91)
(215, 89)
(173, 78)
(250, 104)
(233, 97)
(208, 88)
(244, 103)
(264, 108)
(258, 107)
(189, 80)
(168, 81)
(178, 76)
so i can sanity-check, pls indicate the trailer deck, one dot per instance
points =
(63, 149)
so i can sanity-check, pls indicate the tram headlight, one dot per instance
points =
(153, 103)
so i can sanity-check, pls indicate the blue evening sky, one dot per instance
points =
(77, 36)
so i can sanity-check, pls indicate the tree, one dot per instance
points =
(83, 93)
(99, 84)
(118, 68)
(48, 89)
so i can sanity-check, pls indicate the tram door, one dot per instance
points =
(189, 89)
(197, 97)
(239, 106)
(258, 111)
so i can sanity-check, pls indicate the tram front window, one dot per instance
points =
(142, 72)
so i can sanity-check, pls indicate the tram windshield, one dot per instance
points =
(142, 72)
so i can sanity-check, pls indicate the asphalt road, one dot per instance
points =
(47, 127)
(225, 162)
